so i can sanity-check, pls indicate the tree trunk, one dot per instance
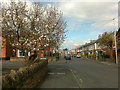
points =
(49, 52)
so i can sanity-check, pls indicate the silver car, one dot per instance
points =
(78, 56)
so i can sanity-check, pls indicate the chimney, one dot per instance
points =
(99, 36)
(91, 41)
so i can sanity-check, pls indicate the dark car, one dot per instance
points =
(65, 55)
(68, 57)
(74, 55)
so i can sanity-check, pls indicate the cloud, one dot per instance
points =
(71, 44)
(101, 13)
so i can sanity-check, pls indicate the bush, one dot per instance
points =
(56, 54)
(107, 56)
(91, 54)
(86, 54)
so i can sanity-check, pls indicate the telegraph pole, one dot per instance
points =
(115, 42)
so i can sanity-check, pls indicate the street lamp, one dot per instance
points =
(115, 42)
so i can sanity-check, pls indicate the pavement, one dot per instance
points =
(7, 66)
(104, 62)
(80, 73)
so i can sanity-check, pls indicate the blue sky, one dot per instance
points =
(86, 20)
(83, 30)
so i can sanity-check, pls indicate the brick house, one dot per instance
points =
(118, 44)
(84, 49)
(94, 48)
(6, 49)
(91, 47)
(43, 52)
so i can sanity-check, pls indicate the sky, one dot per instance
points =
(86, 20)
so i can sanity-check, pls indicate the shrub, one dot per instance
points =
(107, 56)
(86, 54)
(91, 54)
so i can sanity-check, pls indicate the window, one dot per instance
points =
(21, 54)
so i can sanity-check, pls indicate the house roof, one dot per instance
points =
(91, 43)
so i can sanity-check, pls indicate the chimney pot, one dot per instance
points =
(99, 36)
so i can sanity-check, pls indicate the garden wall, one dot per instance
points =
(26, 77)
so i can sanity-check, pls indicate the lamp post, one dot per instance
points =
(115, 42)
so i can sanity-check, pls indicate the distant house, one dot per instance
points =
(91, 47)
(84, 49)
(94, 48)
(72, 51)
(77, 49)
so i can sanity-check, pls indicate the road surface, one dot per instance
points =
(81, 73)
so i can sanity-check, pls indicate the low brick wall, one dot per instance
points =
(26, 77)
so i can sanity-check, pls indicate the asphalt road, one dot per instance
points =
(81, 73)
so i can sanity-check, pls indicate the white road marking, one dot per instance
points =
(61, 73)
(81, 80)
(76, 78)
(51, 73)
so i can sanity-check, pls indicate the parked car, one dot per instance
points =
(78, 56)
(65, 55)
(68, 57)
(74, 55)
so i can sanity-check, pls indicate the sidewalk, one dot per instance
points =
(14, 65)
(60, 61)
(104, 62)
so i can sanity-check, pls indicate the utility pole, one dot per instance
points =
(115, 41)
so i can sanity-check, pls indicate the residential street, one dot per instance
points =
(81, 73)
(49, 44)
